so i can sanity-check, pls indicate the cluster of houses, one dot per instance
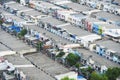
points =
(7, 69)
(110, 6)
(92, 27)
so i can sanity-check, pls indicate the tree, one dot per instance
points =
(86, 72)
(18, 1)
(104, 77)
(39, 46)
(72, 59)
(60, 54)
(1, 21)
(90, 70)
(95, 76)
(23, 32)
(77, 65)
(67, 78)
(113, 73)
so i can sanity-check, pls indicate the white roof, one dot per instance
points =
(62, 2)
(65, 12)
(72, 75)
(6, 25)
(104, 67)
(32, 38)
(66, 54)
(71, 46)
(12, 68)
(65, 2)
(91, 37)
(4, 53)
(3, 66)
(113, 32)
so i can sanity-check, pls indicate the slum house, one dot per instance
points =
(2, 17)
(99, 4)
(88, 22)
(107, 7)
(24, 2)
(74, 33)
(93, 4)
(67, 49)
(117, 10)
(26, 70)
(114, 9)
(5, 68)
(102, 5)
(58, 2)
(100, 28)
(26, 13)
(89, 39)
(63, 14)
(77, 19)
(33, 37)
(10, 42)
(104, 48)
(12, 23)
(91, 59)
(76, 7)
(111, 8)
(44, 7)
(51, 24)
(32, 15)
(15, 8)
(113, 34)
(107, 17)
(32, 3)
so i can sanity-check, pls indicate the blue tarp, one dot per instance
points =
(15, 28)
(95, 28)
(37, 36)
(116, 3)
(73, 36)
(103, 19)
(102, 51)
(80, 78)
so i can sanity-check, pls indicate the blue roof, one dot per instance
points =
(103, 19)
(80, 77)
(37, 36)
(15, 28)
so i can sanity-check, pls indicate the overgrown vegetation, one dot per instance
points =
(22, 33)
(72, 59)
(60, 54)
(67, 78)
